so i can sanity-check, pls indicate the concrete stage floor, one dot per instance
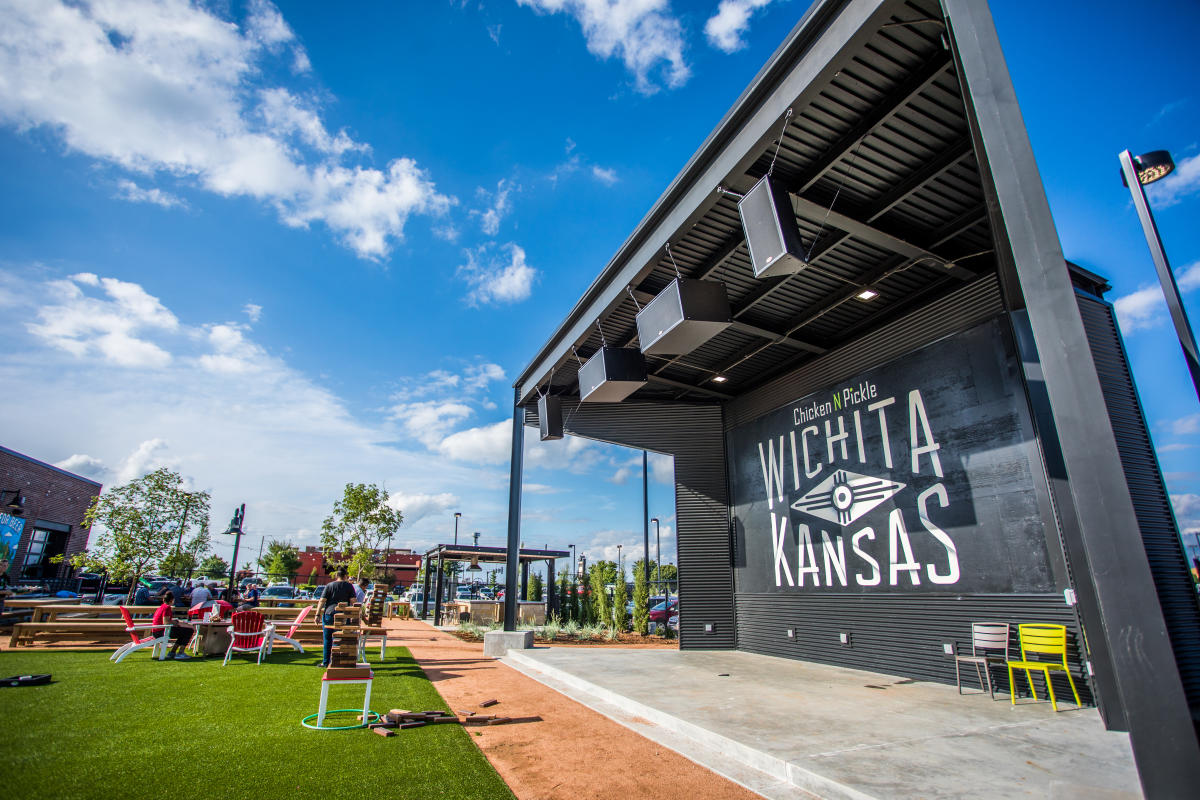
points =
(792, 729)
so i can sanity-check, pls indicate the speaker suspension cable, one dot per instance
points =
(673, 264)
(633, 298)
(779, 141)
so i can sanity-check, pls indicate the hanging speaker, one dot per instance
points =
(611, 375)
(550, 418)
(683, 316)
(772, 235)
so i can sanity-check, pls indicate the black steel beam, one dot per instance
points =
(516, 468)
(1121, 603)
(689, 387)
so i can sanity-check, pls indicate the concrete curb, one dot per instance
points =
(714, 747)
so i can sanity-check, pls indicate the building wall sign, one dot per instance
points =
(914, 476)
(10, 535)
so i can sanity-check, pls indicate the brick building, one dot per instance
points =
(41, 516)
(400, 563)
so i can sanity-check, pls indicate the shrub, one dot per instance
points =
(641, 601)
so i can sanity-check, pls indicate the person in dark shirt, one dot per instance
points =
(251, 596)
(340, 590)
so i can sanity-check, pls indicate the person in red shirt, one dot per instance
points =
(181, 632)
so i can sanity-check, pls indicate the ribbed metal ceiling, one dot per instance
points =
(887, 194)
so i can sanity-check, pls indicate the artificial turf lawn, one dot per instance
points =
(183, 729)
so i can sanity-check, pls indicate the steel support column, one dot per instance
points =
(437, 598)
(425, 591)
(645, 521)
(514, 514)
(524, 580)
(1127, 611)
(550, 595)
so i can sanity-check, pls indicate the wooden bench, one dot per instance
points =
(88, 631)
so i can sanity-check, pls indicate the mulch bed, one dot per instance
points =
(623, 640)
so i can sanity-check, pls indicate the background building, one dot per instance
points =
(50, 520)
(398, 564)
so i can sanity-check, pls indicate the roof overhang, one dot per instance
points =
(879, 162)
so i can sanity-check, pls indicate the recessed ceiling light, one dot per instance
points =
(719, 379)
(867, 294)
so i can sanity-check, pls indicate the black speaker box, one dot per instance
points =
(772, 235)
(611, 375)
(550, 418)
(683, 316)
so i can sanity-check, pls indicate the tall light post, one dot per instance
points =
(574, 564)
(1135, 173)
(235, 530)
(620, 564)
(457, 514)
(657, 556)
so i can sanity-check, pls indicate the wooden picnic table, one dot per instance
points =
(34, 602)
(297, 602)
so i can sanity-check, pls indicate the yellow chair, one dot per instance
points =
(1049, 640)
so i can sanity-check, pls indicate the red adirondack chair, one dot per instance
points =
(288, 638)
(139, 642)
(250, 634)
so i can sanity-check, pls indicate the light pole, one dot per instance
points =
(1135, 173)
(235, 529)
(457, 514)
(574, 564)
(620, 564)
(658, 556)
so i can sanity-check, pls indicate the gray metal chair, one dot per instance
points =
(989, 645)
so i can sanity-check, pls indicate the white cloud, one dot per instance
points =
(725, 28)
(488, 444)
(494, 32)
(128, 190)
(85, 465)
(1146, 308)
(497, 277)
(167, 87)
(109, 329)
(253, 311)
(605, 175)
(1186, 425)
(418, 506)
(642, 33)
(489, 219)
(1180, 184)
(1187, 509)
(430, 421)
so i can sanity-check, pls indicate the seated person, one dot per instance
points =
(181, 633)
(201, 596)
(251, 598)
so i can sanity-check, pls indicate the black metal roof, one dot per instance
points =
(467, 552)
(879, 162)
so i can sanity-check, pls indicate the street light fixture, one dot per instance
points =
(235, 530)
(620, 564)
(574, 564)
(1136, 172)
(457, 514)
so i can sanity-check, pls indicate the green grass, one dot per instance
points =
(145, 728)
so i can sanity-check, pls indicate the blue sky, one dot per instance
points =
(279, 249)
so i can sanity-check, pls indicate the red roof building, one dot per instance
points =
(401, 564)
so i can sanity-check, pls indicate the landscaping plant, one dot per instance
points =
(641, 600)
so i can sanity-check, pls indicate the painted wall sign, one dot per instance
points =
(10, 535)
(912, 477)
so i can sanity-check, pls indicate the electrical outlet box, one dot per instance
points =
(845, 637)
(710, 627)
(948, 649)
(791, 633)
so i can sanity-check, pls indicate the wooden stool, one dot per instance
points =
(345, 675)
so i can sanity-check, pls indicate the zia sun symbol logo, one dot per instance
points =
(845, 496)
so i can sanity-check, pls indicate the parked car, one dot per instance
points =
(661, 612)
(463, 593)
(277, 592)
(487, 594)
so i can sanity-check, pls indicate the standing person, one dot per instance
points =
(360, 591)
(180, 632)
(340, 590)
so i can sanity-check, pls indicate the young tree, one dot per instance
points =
(599, 593)
(280, 559)
(566, 608)
(140, 524)
(641, 600)
(534, 590)
(359, 524)
(213, 567)
(619, 601)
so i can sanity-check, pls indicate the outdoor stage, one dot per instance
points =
(783, 727)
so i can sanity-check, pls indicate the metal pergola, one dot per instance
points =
(488, 555)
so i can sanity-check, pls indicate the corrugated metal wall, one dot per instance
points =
(1176, 591)
(892, 633)
(694, 435)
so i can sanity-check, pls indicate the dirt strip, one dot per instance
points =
(573, 752)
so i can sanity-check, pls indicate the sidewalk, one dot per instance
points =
(574, 752)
